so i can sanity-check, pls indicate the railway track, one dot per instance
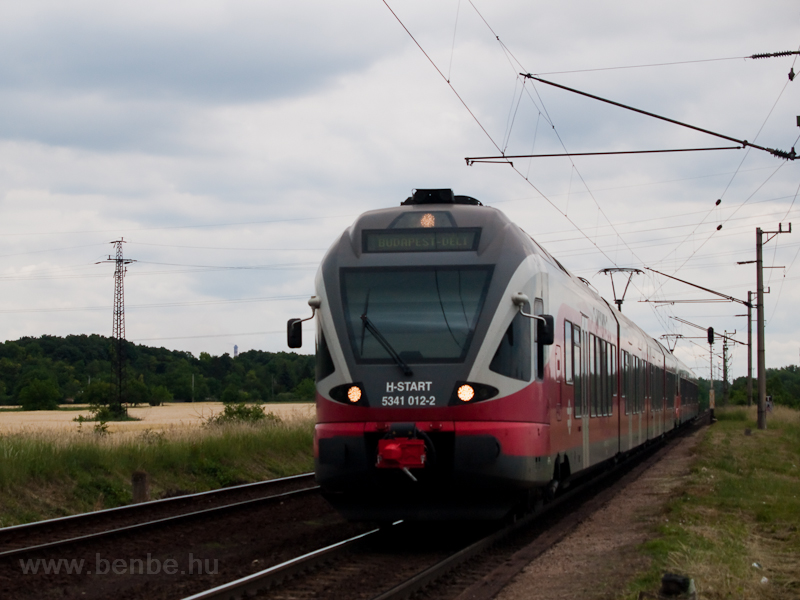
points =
(84, 527)
(389, 564)
(172, 555)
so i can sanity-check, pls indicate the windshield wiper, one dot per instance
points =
(369, 326)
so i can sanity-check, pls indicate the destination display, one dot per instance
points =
(421, 240)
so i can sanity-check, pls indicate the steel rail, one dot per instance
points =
(160, 521)
(142, 506)
(262, 580)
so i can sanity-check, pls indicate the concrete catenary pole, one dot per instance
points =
(762, 371)
(749, 348)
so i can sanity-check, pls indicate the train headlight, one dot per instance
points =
(354, 394)
(465, 393)
(427, 220)
(470, 392)
(351, 394)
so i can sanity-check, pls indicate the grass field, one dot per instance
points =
(734, 526)
(48, 472)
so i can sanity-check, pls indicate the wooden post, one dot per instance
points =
(141, 487)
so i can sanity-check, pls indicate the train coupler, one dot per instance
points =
(401, 453)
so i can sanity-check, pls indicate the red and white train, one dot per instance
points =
(462, 370)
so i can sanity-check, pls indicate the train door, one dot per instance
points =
(647, 408)
(639, 426)
(557, 377)
(627, 393)
(585, 389)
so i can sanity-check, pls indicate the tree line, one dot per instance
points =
(42, 372)
(782, 384)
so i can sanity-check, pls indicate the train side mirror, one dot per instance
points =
(546, 332)
(294, 328)
(545, 324)
(294, 333)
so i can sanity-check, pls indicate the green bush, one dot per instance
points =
(40, 394)
(159, 395)
(242, 413)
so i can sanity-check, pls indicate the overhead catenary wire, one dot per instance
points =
(510, 55)
(668, 64)
(738, 169)
(485, 131)
(593, 242)
(779, 153)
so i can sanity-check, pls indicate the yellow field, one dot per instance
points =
(155, 418)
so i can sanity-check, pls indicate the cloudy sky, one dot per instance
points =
(229, 143)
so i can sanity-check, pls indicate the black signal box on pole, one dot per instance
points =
(710, 335)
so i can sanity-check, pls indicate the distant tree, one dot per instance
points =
(40, 394)
(99, 393)
(4, 400)
(306, 389)
(159, 395)
(75, 361)
(136, 392)
(231, 395)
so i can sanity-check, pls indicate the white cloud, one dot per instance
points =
(250, 134)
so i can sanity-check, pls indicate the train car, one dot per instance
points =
(463, 372)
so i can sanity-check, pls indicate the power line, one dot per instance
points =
(209, 335)
(283, 249)
(155, 305)
(667, 64)
(171, 227)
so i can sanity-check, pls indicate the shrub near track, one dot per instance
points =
(51, 474)
(734, 525)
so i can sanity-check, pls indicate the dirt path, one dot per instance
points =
(599, 557)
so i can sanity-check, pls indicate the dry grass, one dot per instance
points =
(46, 473)
(155, 418)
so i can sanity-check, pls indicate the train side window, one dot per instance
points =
(670, 390)
(568, 352)
(643, 383)
(578, 367)
(601, 368)
(592, 387)
(651, 388)
(634, 383)
(538, 309)
(324, 362)
(513, 355)
(610, 378)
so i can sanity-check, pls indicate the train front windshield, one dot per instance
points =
(425, 314)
